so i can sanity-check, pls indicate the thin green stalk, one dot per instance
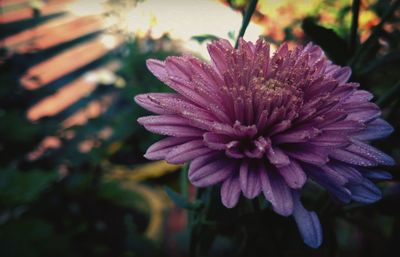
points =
(183, 181)
(389, 95)
(392, 111)
(193, 249)
(376, 64)
(355, 9)
(199, 220)
(246, 20)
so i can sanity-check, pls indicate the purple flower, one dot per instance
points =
(259, 124)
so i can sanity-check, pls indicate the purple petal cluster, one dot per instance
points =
(257, 124)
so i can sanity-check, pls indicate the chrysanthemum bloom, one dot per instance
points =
(256, 124)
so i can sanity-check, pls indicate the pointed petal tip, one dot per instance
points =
(283, 204)
(230, 192)
(149, 156)
(294, 175)
(389, 161)
(153, 155)
(249, 181)
(229, 203)
(378, 174)
(314, 239)
(308, 224)
(157, 67)
(137, 98)
(141, 120)
(153, 62)
(365, 192)
(142, 100)
(377, 129)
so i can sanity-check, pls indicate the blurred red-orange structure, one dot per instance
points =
(61, 27)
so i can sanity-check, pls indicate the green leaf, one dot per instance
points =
(231, 35)
(180, 200)
(204, 37)
(114, 192)
(18, 187)
(333, 45)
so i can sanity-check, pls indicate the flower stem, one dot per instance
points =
(354, 25)
(246, 20)
(184, 181)
(391, 94)
(194, 227)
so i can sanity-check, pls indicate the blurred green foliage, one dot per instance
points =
(18, 188)
(47, 213)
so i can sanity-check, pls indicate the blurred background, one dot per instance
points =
(73, 179)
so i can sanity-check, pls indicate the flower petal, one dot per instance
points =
(160, 149)
(308, 153)
(276, 191)
(365, 192)
(363, 112)
(157, 67)
(230, 192)
(217, 51)
(331, 181)
(249, 179)
(277, 157)
(187, 152)
(183, 108)
(307, 223)
(342, 75)
(359, 153)
(314, 51)
(216, 141)
(145, 101)
(376, 129)
(344, 126)
(210, 173)
(187, 89)
(375, 174)
(169, 125)
(297, 135)
(330, 139)
(293, 174)
(359, 96)
(349, 172)
(178, 67)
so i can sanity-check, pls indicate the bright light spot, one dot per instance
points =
(106, 77)
(91, 77)
(109, 41)
(101, 76)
